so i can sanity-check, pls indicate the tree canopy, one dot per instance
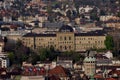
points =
(109, 42)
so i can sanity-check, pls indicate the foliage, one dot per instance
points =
(75, 56)
(109, 42)
(94, 15)
(11, 57)
(21, 52)
(33, 58)
(47, 53)
(98, 50)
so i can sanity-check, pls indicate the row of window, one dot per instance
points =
(44, 46)
(45, 39)
(65, 38)
(65, 42)
(65, 47)
(86, 38)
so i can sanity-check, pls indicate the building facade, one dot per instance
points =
(90, 66)
(4, 61)
(65, 40)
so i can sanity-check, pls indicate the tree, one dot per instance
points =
(73, 55)
(109, 42)
(77, 57)
(93, 16)
(11, 57)
(21, 52)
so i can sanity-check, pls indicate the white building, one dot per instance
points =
(4, 61)
(109, 55)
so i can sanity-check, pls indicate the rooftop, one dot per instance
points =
(66, 28)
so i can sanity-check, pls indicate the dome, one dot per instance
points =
(66, 28)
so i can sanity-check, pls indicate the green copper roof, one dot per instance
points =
(87, 59)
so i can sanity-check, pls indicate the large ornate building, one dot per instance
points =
(65, 40)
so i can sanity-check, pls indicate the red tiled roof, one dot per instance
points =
(13, 27)
(54, 78)
(98, 76)
(59, 70)
(110, 79)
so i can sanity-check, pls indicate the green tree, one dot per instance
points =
(47, 53)
(11, 57)
(77, 57)
(21, 52)
(73, 55)
(42, 53)
(109, 42)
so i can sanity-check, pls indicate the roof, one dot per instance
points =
(92, 33)
(59, 70)
(39, 35)
(114, 72)
(53, 25)
(1, 40)
(108, 67)
(111, 79)
(66, 28)
(46, 35)
(100, 56)
(54, 77)
(89, 59)
(98, 76)
(29, 35)
(64, 58)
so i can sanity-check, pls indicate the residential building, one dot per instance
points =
(1, 44)
(65, 62)
(102, 60)
(65, 40)
(4, 61)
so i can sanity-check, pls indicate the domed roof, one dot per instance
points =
(87, 59)
(66, 28)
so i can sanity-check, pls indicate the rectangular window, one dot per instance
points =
(60, 38)
(69, 38)
(65, 38)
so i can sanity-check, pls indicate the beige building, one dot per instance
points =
(65, 40)
(1, 44)
(90, 66)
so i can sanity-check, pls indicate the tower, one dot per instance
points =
(90, 65)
